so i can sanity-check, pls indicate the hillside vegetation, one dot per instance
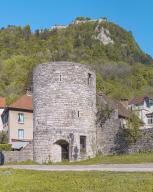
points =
(123, 69)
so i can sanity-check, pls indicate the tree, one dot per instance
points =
(82, 18)
(133, 125)
(27, 32)
(3, 137)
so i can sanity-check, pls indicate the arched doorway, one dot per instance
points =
(64, 149)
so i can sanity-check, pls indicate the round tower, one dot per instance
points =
(64, 99)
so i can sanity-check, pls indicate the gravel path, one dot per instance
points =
(148, 167)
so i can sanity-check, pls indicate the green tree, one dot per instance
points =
(27, 32)
(133, 125)
(3, 137)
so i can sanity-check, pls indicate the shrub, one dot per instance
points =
(133, 131)
(5, 147)
(104, 113)
(3, 137)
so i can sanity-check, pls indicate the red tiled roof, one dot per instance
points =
(139, 99)
(2, 102)
(122, 111)
(24, 102)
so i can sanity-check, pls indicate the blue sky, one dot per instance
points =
(133, 15)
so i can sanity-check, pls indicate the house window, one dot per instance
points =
(82, 144)
(89, 78)
(20, 133)
(5, 118)
(20, 118)
(150, 120)
(150, 102)
(147, 102)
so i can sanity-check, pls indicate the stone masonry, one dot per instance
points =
(64, 100)
(111, 139)
(24, 154)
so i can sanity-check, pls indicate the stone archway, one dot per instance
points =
(64, 149)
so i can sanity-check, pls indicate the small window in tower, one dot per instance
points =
(89, 78)
(60, 77)
(82, 144)
(78, 113)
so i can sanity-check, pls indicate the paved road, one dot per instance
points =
(148, 167)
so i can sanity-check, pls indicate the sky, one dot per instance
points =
(133, 15)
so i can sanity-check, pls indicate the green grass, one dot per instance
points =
(114, 159)
(41, 181)
(28, 162)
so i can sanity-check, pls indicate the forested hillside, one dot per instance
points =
(123, 69)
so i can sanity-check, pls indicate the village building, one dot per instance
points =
(18, 121)
(2, 106)
(121, 107)
(143, 107)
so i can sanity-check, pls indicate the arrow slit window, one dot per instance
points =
(89, 78)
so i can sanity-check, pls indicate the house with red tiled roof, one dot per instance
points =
(2, 106)
(18, 119)
(143, 107)
(120, 107)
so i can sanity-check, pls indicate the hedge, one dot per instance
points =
(5, 147)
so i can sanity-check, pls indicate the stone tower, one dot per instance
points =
(64, 99)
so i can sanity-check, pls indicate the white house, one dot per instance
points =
(2, 106)
(143, 107)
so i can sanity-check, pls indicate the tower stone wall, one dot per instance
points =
(64, 99)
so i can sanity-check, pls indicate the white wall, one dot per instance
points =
(1, 124)
(141, 111)
(27, 126)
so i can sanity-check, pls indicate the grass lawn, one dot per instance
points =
(40, 181)
(116, 159)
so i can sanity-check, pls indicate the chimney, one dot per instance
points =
(124, 102)
(29, 92)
